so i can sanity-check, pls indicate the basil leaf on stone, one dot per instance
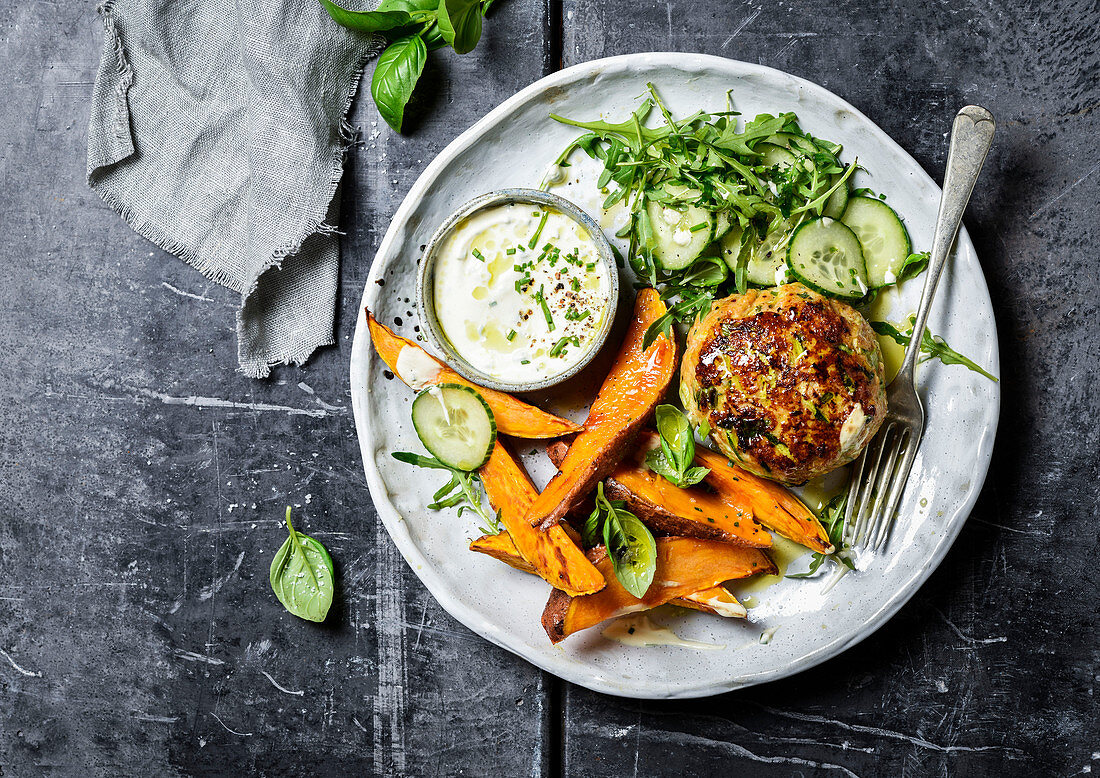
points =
(425, 7)
(302, 575)
(433, 38)
(460, 23)
(379, 20)
(395, 77)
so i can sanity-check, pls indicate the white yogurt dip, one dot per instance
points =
(520, 291)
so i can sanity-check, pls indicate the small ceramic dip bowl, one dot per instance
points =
(518, 289)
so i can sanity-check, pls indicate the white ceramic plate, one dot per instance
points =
(808, 621)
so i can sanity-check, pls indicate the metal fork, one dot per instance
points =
(879, 475)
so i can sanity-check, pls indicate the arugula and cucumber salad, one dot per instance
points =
(716, 206)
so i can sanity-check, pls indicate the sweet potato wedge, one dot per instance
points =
(716, 600)
(668, 509)
(513, 417)
(551, 552)
(500, 546)
(635, 385)
(772, 505)
(684, 566)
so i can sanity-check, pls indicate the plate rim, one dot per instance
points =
(362, 356)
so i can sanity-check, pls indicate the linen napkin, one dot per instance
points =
(218, 132)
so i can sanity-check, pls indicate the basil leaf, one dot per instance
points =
(302, 576)
(591, 529)
(677, 440)
(460, 23)
(693, 476)
(657, 462)
(673, 461)
(380, 20)
(433, 38)
(426, 7)
(395, 77)
(633, 551)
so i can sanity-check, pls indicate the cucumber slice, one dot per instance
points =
(767, 265)
(883, 236)
(680, 233)
(722, 224)
(776, 156)
(732, 247)
(838, 200)
(789, 140)
(455, 424)
(826, 256)
(766, 260)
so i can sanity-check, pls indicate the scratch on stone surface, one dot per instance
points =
(917, 741)
(182, 293)
(967, 638)
(19, 669)
(191, 656)
(209, 591)
(420, 629)
(389, 703)
(1034, 532)
(744, 23)
(637, 742)
(214, 402)
(1064, 192)
(279, 686)
(156, 719)
(227, 728)
(309, 390)
(680, 738)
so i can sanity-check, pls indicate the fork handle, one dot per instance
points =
(971, 137)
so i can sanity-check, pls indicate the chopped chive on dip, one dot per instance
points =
(519, 313)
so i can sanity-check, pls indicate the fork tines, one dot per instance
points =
(876, 485)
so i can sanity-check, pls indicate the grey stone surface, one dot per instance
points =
(144, 479)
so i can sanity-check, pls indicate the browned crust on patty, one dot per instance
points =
(776, 373)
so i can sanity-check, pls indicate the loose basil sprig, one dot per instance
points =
(413, 28)
(461, 490)
(673, 460)
(832, 518)
(301, 575)
(932, 345)
(629, 543)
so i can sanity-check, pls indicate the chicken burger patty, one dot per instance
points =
(791, 383)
